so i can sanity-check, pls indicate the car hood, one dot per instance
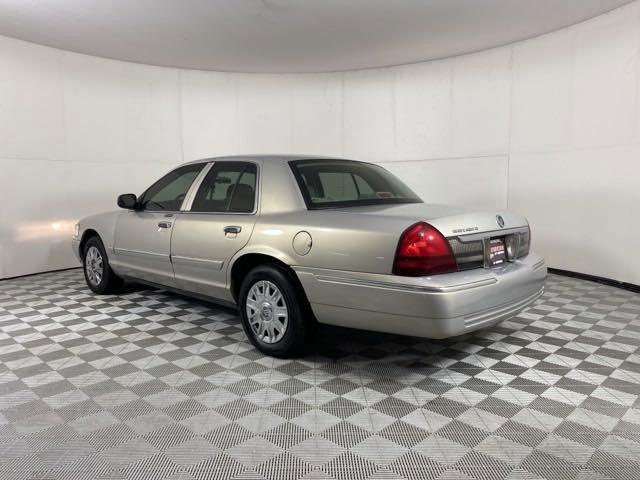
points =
(450, 220)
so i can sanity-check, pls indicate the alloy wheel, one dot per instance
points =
(94, 266)
(267, 311)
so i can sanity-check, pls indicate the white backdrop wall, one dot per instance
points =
(549, 127)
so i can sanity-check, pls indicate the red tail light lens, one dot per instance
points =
(423, 250)
(525, 243)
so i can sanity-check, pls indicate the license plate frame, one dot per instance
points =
(495, 252)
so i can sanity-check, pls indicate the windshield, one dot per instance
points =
(346, 183)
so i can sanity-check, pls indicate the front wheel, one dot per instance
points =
(274, 312)
(97, 272)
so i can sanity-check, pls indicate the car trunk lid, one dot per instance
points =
(449, 220)
(471, 233)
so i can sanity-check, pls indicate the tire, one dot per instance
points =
(262, 311)
(98, 274)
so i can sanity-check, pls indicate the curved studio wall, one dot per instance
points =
(549, 127)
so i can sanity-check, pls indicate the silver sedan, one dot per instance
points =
(295, 240)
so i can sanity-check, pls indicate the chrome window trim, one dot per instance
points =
(256, 194)
(191, 193)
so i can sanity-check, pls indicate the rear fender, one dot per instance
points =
(262, 250)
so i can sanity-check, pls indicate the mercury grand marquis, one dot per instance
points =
(295, 240)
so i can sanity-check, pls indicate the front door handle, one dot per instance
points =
(164, 224)
(232, 229)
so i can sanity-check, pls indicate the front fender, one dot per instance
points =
(104, 224)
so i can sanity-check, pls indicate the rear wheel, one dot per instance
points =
(98, 274)
(274, 312)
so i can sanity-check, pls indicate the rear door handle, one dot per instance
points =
(164, 224)
(232, 229)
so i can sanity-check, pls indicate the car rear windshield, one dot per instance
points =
(347, 183)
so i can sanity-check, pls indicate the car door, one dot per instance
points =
(217, 223)
(142, 242)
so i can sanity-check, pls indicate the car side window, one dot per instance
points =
(228, 187)
(168, 193)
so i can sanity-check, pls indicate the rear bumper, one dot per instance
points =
(435, 307)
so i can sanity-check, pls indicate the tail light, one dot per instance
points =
(525, 243)
(518, 244)
(423, 250)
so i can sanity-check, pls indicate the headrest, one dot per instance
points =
(242, 200)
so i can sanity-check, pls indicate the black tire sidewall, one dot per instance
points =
(295, 338)
(109, 281)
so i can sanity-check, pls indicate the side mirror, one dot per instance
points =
(128, 201)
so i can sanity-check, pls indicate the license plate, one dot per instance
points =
(497, 254)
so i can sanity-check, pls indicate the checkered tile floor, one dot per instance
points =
(150, 385)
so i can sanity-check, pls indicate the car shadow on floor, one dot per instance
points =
(331, 341)
(339, 344)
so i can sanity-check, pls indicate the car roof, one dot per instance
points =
(263, 157)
